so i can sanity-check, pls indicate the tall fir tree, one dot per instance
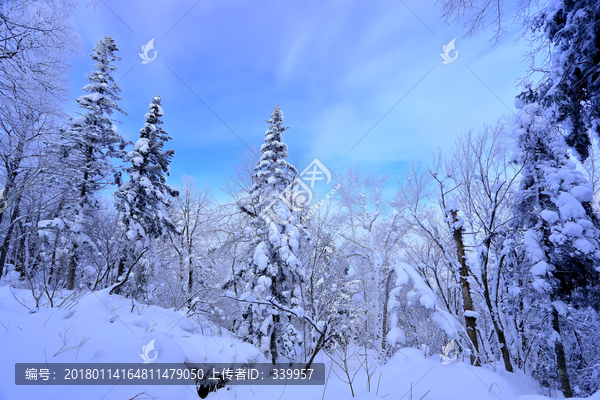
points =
(143, 198)
(86, 147)
(271, 271)
(572, 92)
(560, 239)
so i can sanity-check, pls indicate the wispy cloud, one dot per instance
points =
(335, 67)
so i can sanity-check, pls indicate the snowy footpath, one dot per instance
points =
(102, 328)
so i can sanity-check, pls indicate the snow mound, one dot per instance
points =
(106, 328)
(99, 327)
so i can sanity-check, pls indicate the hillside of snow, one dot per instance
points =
(103, 328)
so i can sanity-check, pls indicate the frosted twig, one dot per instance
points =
(48, 319)
(65, 336)
(9, 288)
(283, 391)
(327, 381)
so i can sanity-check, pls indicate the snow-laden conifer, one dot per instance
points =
(271, 270)
(143, 198)
(87, 146)
(559, 237)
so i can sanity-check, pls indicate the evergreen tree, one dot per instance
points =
(271, 271)
(560, 239)
(87, 146)
(272, 174)
(572, 92)
(143, 198)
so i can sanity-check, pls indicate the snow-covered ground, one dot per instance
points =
(103, 328)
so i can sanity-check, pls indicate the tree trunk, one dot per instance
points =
(318, 347)
(13, 216)
(120, 271)
(83, 192)
(561, 362)
(470, 322)
(19, 253)
(503, 345)
(12, 172)
(190, 249)
(181, 273)
(386, 300)
(494, 315)
(72, 269)
(190, 284)
(274, 338)
(7, 238)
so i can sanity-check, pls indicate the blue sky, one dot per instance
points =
(334, 67)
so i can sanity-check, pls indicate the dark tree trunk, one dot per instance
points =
(8, 237)
(493, 314)
(470, 322)
(386, 300)
(19, 253)
(120, 271)
(13, 217)
(561, 361)
(274, 338)
(72, 267)
(190, 283)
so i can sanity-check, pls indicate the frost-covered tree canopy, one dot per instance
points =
(270, 272)
(554, 207)
(86, 148)
(93, 138)
(273, 173)
(560, 235)
(572, 93)
(143, 198)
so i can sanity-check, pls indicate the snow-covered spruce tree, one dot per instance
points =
(143, 198)
(573, 89)
(271, 271)
(560, 239)
(87, 146)
(566, 35)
